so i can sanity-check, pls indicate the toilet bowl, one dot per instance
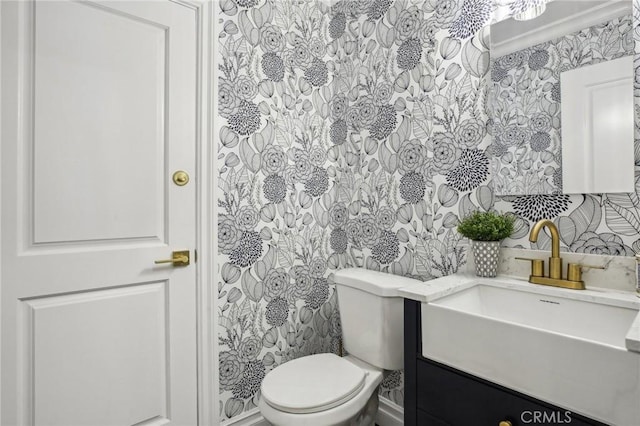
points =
(327, 390)
(321, 390)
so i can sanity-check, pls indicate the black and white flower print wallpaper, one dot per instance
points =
(354, 134)
(525, 106)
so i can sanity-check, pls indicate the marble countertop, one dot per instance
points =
(429, 291)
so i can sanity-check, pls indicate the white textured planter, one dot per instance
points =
(485, 256)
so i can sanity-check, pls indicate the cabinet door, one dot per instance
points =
(425, 419)
(457, 399)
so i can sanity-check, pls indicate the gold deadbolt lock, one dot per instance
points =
(178, 258)
(180, 178)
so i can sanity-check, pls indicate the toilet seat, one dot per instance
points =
(312, 384)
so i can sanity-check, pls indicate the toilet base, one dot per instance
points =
(367, 417)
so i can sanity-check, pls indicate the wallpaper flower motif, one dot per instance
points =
(525, 104)
(354, 135)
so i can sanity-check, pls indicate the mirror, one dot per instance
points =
(546, 131)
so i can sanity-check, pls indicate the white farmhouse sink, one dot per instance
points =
(587, 320)
(566, 347)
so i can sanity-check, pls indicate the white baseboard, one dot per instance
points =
(250, 418)
(389, 414)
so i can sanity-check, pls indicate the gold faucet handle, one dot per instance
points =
(574, 270)
(537, 266)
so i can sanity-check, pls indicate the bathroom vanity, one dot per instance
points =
(469, 361)
(436, 394)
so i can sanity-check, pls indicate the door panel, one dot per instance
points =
(597, 154)
(106, 184)
(99, 108)
(133, 361)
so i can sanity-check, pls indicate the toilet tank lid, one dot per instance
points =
(374, 282)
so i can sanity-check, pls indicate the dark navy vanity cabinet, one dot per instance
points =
(436, 394)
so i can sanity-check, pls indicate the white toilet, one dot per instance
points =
(324, 389)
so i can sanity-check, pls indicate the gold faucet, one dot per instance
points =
(574, 270)
(555, 261)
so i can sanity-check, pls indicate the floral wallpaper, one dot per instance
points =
(355, 134)
(525, 104)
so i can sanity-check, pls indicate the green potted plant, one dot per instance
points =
(486, 230)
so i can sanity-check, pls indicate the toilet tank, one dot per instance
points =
(372, 316)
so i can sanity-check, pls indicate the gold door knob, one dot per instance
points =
(505, 423)
(178, 258)
(180, 178)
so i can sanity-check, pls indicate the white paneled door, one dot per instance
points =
(99, 110)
